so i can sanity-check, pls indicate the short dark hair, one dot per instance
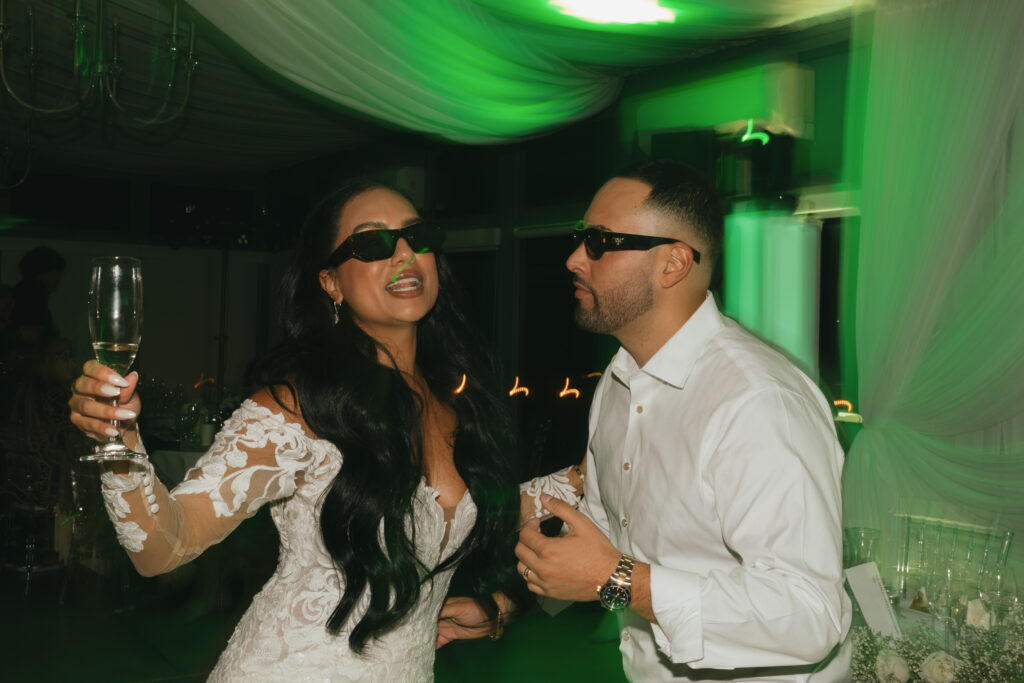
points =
(40, 261)
(684, 192)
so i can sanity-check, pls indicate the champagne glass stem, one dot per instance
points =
(116, 424)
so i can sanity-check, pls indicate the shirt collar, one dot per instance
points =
(673, 362)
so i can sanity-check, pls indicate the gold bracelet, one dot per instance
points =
(499, 625)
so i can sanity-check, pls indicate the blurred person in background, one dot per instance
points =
(41, 271)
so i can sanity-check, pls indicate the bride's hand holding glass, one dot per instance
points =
(91, 410)
(115, 325)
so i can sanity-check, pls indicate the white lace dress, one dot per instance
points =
(260, 458)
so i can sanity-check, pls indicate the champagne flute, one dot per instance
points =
(999, 593)
(115, 324)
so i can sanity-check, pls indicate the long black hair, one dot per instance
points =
(366, 409)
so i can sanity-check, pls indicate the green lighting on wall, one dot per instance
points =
(11, 222)
(771, 269)
(616, 11)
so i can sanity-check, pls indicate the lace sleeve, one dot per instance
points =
(566, 484)
(257, 457)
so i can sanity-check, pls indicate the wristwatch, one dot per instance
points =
(616, 594)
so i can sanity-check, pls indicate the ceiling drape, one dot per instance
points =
(445, 68)
(477, 71)
(281, 82)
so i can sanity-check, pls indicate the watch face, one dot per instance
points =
(615, 597)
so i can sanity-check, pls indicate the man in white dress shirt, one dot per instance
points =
(711, 517)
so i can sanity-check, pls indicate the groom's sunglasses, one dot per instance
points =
(597, 242)
(376, 245)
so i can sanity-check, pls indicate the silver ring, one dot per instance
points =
(526, 574)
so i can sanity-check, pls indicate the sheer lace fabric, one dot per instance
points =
(259, 457)
(558, 484)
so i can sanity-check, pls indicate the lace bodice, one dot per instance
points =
(258, 458)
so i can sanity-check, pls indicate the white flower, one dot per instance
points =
(977, 615)
(939, 667)
(891, 668)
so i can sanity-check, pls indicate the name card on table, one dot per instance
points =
(869, 591)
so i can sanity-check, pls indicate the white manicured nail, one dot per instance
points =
(108, 390)
(117, 381)
(124, 414)
(110, 431)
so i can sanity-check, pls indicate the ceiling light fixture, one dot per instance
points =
(616, 11)
(94, 72)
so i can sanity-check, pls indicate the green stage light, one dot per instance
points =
(616, 11)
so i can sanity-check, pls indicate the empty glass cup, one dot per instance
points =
(861, 545)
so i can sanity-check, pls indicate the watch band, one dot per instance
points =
(623, 574)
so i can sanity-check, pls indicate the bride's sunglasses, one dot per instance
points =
(597, 242)
(376, 245)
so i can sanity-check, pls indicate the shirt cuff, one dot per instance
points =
(675, 601)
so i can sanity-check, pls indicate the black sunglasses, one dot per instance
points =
(599, 241)
(375, 245)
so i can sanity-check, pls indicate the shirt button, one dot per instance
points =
(625, 522)
(627, 466)
(639, 409)
(625, 637)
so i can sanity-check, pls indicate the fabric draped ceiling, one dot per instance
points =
(475, 72)
(939, 301)
(437, 67)
(283, 82)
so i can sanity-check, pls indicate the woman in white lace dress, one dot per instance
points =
(380, 476)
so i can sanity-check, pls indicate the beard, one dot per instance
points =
(615, 308)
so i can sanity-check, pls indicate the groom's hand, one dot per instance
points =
(570, 567)
(460, 619)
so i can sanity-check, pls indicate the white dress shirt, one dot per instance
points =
(717, 463)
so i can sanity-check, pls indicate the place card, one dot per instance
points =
(869, 592)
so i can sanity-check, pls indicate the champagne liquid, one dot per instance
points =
(117, 357)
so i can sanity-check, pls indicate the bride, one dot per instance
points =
(380, 477)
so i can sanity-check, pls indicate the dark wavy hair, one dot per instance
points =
(370, 413)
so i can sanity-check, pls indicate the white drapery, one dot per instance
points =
(940, 302)
(476, 72)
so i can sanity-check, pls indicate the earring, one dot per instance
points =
(336, 316)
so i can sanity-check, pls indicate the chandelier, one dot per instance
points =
(97, 67)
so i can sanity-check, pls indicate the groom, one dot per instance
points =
(711, 518)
